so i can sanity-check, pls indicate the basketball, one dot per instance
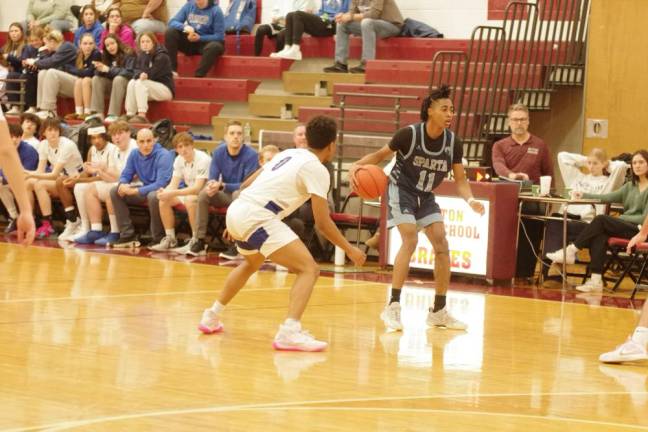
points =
(369, 181)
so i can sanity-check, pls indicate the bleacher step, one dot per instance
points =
(306, 82)
(229, 66)
(284, 106)
(215, 89)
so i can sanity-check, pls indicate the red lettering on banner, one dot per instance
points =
(454, 258)
(422, 254)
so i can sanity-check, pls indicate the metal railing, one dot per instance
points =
(9, 90)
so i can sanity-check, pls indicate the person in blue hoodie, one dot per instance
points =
(153, 166)
(90, 25)
(232, 162)
(29, 160)
(197, 29)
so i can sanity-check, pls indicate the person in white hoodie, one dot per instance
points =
(594, 173)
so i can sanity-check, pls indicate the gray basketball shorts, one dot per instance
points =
(410, 207)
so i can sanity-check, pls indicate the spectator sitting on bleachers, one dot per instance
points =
(232, 162)
(90, 25)
(12, 56)
(152, 78)
(29, 73)
(29, 160)
(274, 30)
(594, 237)
(80, 76)
(99, 191)
(112, 76)
(63, 156)
(240, 16)
(101, 6)
(114, 25)
(145, 15)
(98, 158)
(30, 125)
(191, 167)
(320, 25)
(59, 55)
(153, 166)
(54, 14)
(197, 29)
(370, 19)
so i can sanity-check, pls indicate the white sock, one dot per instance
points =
(596, 278)
(295, 47)
(293, 324)
(170, 232)
(114, 227)
(571, 249)
(96, 227)
(67, 209)
(640, 336)
(78, 110)
(217, 307)
(87, 111)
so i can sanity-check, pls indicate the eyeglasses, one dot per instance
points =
(518, 120)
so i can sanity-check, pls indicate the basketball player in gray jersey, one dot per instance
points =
(425, 153)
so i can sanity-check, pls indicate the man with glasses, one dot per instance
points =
(524, 157)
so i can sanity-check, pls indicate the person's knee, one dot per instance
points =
(409, 241)
(215, 48)
(114, 193)
(203, 198)
(367, 24)
(152, 199)
(440, 244)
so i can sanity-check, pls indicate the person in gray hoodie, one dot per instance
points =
(152, 78)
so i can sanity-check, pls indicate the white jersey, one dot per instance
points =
(287, 182)
(118, 158)
(104, 156)
(189, 172)
(67, 153)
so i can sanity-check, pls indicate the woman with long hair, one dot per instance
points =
(152, 79)
(12, 56)
(80, 76)
(115, 25)
(634, 196)
(112, 75)
(89, 24)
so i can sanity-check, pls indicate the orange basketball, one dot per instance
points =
(369, 181)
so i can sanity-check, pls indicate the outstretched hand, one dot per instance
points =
(478, 207)
(357, 256)
(26, 229)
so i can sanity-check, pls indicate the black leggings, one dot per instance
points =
(266, 30)
(298, 23)
(596, 235)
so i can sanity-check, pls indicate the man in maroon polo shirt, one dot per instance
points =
(523, 156)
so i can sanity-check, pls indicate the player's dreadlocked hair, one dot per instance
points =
(441, 92)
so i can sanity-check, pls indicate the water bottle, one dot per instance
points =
(247, 133)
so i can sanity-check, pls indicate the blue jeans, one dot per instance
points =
(369, 29)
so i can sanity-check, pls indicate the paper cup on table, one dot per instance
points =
(545, 185)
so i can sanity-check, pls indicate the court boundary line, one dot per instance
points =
(52, 427)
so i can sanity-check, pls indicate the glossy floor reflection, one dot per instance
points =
(93, 341)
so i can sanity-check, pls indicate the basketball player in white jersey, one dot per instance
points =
(254, 221)
(13, 171)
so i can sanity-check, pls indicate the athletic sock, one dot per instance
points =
(170, 232)
(71, 214)
(78, 110)
(293, 324)
(217, 307)
(96, 227)
(596, 278)
(395, 295)
(640, 336)
(439, 302)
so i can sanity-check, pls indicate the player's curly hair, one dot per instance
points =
(441, 92)
(320, 132)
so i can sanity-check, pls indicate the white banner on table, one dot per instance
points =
(467, 234)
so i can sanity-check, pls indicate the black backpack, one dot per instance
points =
(164, 131)
(79, 134)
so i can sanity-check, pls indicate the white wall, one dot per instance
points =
(454, 18)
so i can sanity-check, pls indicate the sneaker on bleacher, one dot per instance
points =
(293, 53)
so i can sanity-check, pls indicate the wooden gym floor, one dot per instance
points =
(105, 342)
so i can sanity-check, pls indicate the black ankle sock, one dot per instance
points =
(395, 295)
(71, 215)
(439, 302)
